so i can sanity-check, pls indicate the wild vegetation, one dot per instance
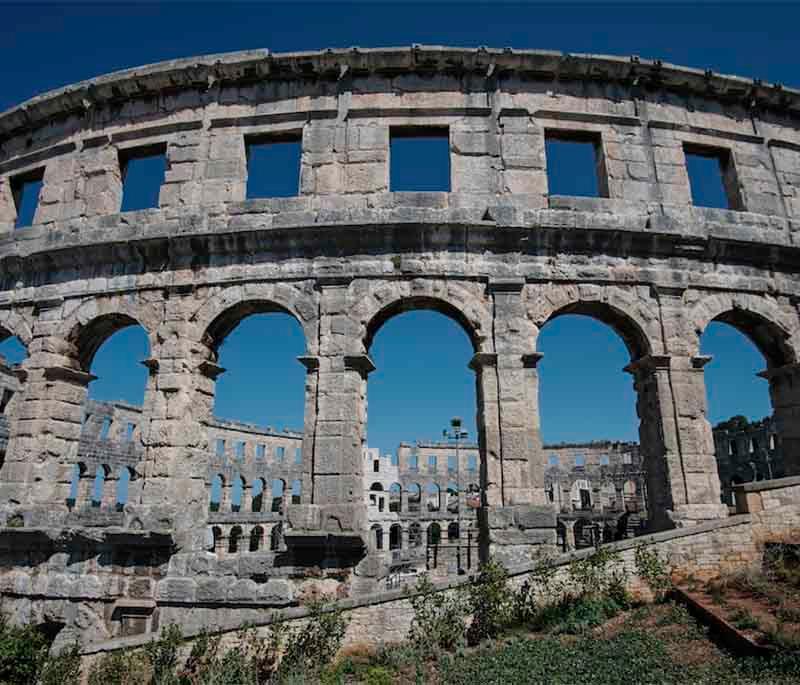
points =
(576, 625)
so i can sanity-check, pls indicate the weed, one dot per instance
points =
(490, 602)
(438, 621)
(654, 571)
(743, 619)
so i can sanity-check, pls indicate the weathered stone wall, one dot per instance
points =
(498, 253)
(701, 552)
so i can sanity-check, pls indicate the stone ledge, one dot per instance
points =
(198, 72)
(774, 484)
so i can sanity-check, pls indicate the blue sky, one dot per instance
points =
(422, 379)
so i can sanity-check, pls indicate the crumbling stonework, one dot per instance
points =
(498, 253)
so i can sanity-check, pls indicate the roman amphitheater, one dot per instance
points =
(495, 251)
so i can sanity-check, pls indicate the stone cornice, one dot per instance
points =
(249, 66)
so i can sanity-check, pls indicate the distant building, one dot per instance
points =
(746, 451)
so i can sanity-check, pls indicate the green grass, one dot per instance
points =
(633, 656)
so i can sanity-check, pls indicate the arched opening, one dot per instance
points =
(395, 536)
(376, 499)
(278, 490)
(453, 532)
(237, 493)
(584, 393)
(275, 537)
(101, 473)
(112, 348)
(412, 397)
(217, 488)
(257, 345)
(377, 537)
(123, 484)
(414, 498)
(588, 402)
(434, 534)
(415, 535)
(12, 354)
(256, 536)
(78, 472)
(452, 497)
(395, 498)
(432, 497)
(258, 494)
(741, 346)
(216, 533)
(233, 539)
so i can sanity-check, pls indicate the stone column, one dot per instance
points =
(174, 437)
(488, 423)
(569, 535)
(784, 390)
(336, 428)
(518, 513)
(676, 440)
(309, 425)
(45, 427)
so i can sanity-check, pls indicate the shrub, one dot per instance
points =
(744, 620)
(593, 577)
(120, 668)
(62, 669)
(438, 618)
(23, 652)
(542, 587)
(491, 602)
(576, 615)
(163, 655)
(316, 643)
(654, 572)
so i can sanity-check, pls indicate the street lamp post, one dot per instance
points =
(456, 434)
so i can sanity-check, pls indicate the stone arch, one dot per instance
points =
(772, 329)
(94, 321)
(222, 312)
(234, 536)
(13, 324)
(631, 314)
(467, 306)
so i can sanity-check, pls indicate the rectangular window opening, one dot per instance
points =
(25, 190)
(712, 177)
(220, 447)
(298, 455)
(129, 428)
(419, 159)
(575, 164)
(240, 449)
(273, 165)
(142, 170)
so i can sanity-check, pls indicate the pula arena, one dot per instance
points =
(498, 253)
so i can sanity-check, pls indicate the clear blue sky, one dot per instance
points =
(422, 379)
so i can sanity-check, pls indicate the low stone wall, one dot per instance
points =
(768, 511)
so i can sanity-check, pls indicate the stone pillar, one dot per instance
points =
(174, 437)
(336, 428)
(517, 514)
(45, 427)
(676, 440)
(784, 390)
(488, 423)
(569, 535)
(309, 425)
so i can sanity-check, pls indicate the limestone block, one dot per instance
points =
(275, 591)
(367, 177)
